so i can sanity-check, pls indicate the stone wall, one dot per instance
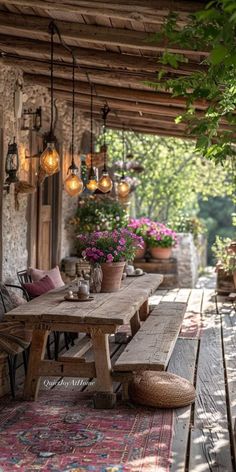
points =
(14, 222)
(188, 258)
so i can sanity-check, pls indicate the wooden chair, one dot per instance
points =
(14, 339)
(24, 277)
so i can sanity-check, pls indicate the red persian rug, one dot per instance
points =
(63, 432)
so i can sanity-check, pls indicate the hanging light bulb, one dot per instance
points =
(92, 184)
(73, 183)
(50, 159)
(105, 183)
(123, 187)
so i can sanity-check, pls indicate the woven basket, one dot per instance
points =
(161, 390)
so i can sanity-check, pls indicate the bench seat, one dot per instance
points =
(153, 344)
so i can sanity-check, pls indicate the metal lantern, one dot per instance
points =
(12, 163)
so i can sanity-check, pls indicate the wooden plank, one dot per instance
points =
(37, 27)
(128, 10)
(65, 369)
(114, 308)
(209, 439)
(107, 91)
(228, 317)
(182, 363)
(81, 347)
(153, 344)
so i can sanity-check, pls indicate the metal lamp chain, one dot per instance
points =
(91, 128)
(51, 27)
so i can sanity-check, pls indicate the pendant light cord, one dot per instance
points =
(91, 130)
(52, 32)
(73, 112)
(104, 111)
(123, 160)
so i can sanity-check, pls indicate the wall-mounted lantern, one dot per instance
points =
(12, 164)
(32, 120)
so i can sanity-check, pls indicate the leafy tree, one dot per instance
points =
(212, 30)
(174, 175)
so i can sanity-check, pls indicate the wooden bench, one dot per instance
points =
(153, 344)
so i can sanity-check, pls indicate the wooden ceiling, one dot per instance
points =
(112, 43)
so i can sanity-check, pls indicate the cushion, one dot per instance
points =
(16, 298)
(9, 305)
(40, 287)
(54, 274)
(161, 390)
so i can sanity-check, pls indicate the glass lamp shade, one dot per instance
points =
(105, 183)
(92, 185)
(73, 185)
(123, 188)
(50, 159)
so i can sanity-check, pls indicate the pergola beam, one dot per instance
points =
(124, 10)
(37, 27)
(34, 49)
(106, 91)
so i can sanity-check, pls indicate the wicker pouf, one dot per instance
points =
(161, 390)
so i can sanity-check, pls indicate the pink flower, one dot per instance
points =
(110, 257)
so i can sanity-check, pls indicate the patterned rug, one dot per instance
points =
(62, 432)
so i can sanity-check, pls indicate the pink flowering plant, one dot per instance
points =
(109, 246)
(158, 235)
(140, 226)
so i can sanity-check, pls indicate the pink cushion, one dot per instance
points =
(54, 275)
(38, 288)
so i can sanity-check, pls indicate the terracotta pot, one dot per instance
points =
(140, 252)
(160, 252)
(111, 276)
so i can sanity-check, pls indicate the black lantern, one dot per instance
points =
(12, 163)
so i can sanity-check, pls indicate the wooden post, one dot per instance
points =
(135, 323)
(144, 311)
(37, 352)
(105, 398)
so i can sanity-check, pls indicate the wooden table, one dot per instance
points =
(99, 318)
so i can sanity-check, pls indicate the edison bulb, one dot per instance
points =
(73, 185)
(92, 185)
(105, 183)
(123, 188)
(50, 159)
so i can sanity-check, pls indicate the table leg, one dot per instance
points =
(37, 352)
(135, 323)
(144, 311)
(104, 398)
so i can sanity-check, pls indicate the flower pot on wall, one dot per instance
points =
(111, 276)
(160, 252)
(140, 252)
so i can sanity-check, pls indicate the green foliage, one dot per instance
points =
(213, 30)
(183, 223)
(225, 257)
(175, 175)
(99, 214)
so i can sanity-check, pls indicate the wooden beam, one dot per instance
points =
(124, 10)
(37, 27)
(156, 131)
(32, 48)
(95, 75)
(134, 95)
(117, 104)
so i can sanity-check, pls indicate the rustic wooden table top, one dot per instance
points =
(107, 308)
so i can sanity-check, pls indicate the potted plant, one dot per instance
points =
(160, 240)
(225, 264)
(139, 226)
(111, 250)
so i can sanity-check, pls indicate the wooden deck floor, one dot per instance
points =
(203, 438)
